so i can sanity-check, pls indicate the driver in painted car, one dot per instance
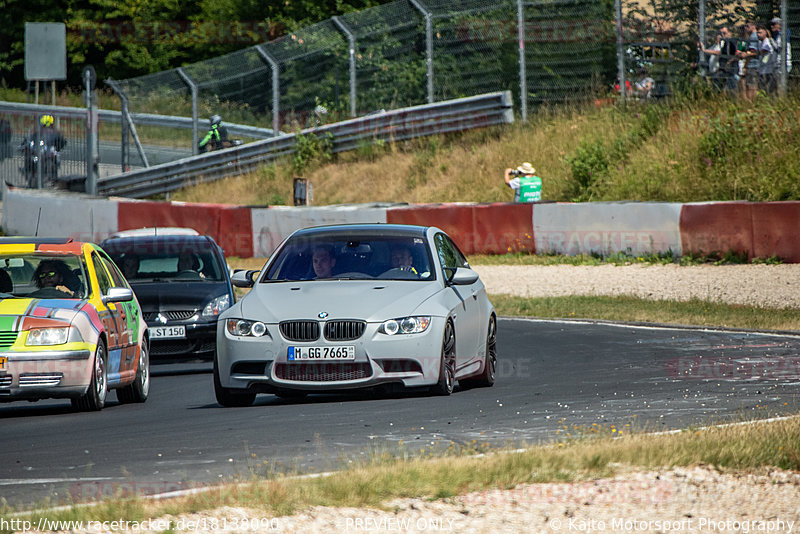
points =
(51, 273)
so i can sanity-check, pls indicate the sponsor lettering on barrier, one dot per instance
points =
(573, 242)
(492, 242)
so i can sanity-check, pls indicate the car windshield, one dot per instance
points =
(169, 261)
(342, 257)
(58, 276)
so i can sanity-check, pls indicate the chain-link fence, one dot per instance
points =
(415, 51)
(32, 155)
(411, 52)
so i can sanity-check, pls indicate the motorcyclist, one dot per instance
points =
(45, 142)
(216, 137)
(50, 135)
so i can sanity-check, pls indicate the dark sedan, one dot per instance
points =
(182, 284)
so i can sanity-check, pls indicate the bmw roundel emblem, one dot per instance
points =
(322, 315)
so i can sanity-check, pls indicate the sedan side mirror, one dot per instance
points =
(461, 276)
(118, 294)
(243, 278)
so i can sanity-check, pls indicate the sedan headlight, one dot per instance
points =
(405, 325)
(47, 336)
(217, 306)
(243, 327)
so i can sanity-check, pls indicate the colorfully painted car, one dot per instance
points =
(183, 284)
(70, 326)
(357, 306)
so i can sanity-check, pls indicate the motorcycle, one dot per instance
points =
(38, 156)
(219, 145)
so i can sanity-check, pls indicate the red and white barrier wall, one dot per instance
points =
(759, 229)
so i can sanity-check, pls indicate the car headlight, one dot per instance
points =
(217, 306)
(243, 327)
(405, 325)
(47, 336)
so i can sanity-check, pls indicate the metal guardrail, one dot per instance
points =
(395, 125)
(147, 119)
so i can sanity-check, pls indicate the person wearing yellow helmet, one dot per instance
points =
(40, 151)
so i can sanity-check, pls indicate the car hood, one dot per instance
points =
(371, 300)
(174, 296)
(58, 309)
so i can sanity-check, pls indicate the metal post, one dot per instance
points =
(701, 28)
(428, 44)
(92, 156)
(523, 80)
(351, 39)
(620, 50)
(193, 88)
(131, 126)
(784, 75)
(123, 149)
(38, 148)
(276, 89)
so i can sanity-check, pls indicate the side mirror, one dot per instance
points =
(462, 277)
(243, 278)
(118, 294)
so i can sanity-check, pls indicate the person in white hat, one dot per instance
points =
(777, 34)
(526, 185)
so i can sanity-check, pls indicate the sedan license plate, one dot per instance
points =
(168, 332)
(342, 352)
(3, 361)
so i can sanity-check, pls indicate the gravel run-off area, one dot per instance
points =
(695, 499)
(769, 286)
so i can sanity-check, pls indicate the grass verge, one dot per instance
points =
(580, 454)
(633, 309)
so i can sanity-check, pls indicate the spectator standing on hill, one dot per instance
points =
(713, 54)
(777, 34)
(767, 61)
(728, 65)
(526, 185)
(644, 85)
(722, 63)
(741, 49)
(751, 57)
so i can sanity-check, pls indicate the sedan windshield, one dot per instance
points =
(339, 257)
(61, 276)
(183, 265)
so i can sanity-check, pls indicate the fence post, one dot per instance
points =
(92, 157)
(351, 39)
(428, 44)
(784, 48)
(193, 88)
(620, 50)
(276, 88)
(523, 80)
(127, 119)
(701, 28)
(123, 149)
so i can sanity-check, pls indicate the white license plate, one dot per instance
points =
(341, 352)
(167, 332)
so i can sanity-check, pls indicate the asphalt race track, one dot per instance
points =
(550, 375)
